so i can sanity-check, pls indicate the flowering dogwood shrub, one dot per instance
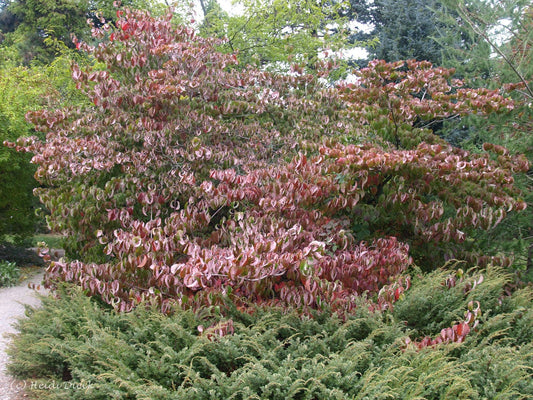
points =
(393, 98)
(189, 180)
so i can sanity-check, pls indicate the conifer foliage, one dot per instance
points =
(190, 180)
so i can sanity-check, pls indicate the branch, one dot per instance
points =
(438, 120)
(476, 29)
(393, 115)
(204, 9)
(230, 40)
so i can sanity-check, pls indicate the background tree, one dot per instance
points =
(24, 89)
(405, 29)
(275, 33)
(39, 28)
(21, 90)
(505, 28)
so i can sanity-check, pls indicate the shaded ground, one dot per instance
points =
(20, 256)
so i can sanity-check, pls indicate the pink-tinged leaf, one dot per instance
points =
(136, 241)
(462, 329)
(397, 294)
(143, 262)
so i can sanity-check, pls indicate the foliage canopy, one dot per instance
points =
(41, 29)
(190, 180)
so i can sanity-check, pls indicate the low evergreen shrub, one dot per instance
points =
(437, 300)
(92, 352)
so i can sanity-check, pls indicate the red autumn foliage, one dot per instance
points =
(456, 333)
(190, 180)
(392, 98)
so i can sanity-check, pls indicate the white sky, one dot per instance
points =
(229, 8)
(225, 4)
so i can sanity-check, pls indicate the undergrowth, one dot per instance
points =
(9, 273)
(274, 354)
(21, 256)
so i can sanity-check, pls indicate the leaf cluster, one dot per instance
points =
(9, 273)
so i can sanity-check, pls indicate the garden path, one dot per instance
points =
(12, 301)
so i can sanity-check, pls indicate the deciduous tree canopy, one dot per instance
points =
(189, 179)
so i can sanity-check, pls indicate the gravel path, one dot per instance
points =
(12, 302)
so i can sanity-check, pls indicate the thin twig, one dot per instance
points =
(476, 29)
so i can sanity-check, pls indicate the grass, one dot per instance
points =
(53, 241)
